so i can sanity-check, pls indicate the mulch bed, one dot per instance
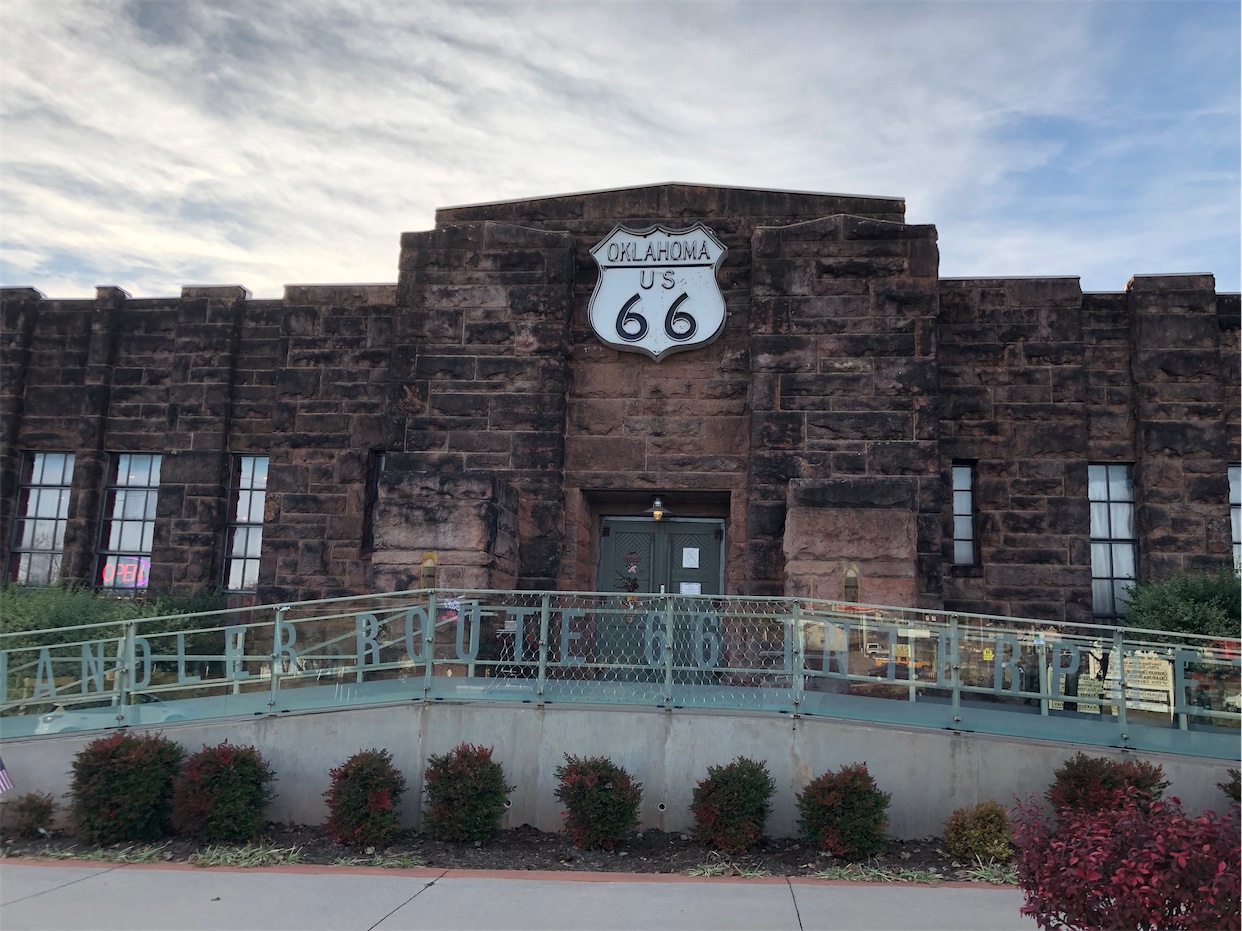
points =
(525, 848)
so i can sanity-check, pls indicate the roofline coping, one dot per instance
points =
(639, 187)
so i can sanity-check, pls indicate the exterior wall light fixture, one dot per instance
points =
(657, 510)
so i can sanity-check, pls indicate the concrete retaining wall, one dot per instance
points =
(928, 772)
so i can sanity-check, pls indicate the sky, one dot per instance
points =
(152, 144)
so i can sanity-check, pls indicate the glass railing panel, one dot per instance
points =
(1090, 683)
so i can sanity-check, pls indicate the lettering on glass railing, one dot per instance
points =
(706, 641)
(655, 640)
(945, 658)
(569, 635)
(717, 650)
(92, 668)
(416, 633)
(1010, 663)
(235, 652)
(704, 636)
(367, 637)
(1065, 660)
(143, 646)
(1193, 672)
(415, 619)
(183, 678)
(45, 677)
(521, 616)
(475, 622)
(836, 647)
(286, 636)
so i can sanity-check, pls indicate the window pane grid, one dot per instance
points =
(42, 515)
(964, 551)
(1114, 537)
(244, 542)
(128, 533)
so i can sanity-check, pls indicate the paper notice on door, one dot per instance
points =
(691, 588)
(689, 557)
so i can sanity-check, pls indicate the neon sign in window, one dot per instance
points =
(126, 572)
(128, 531)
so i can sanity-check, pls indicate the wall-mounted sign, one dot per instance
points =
(657, 290)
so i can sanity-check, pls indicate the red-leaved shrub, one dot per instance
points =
(362, 803)
(731, 806)
(1141, 865)
(466, 794)
(844, 813)
(220, 794)
(601, 801)
(1096, 783)
(122, 787)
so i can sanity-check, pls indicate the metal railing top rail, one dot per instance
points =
(888, 614)
(1085, 683)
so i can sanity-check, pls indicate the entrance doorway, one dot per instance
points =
(679, 556)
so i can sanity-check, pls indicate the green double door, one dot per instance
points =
(674, 556)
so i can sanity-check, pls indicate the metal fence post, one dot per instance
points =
(799, 665)
(668, 649)
(955, 669)
(125, 675)
(1118, 644)
(1045, 684)
(429, 643)
(545, 607)
(276, 663)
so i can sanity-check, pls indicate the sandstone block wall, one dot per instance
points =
(843, 388)
(821, 426)
(1037, 381)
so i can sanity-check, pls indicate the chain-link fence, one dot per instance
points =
(795, 656)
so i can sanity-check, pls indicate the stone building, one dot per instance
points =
(853, 427)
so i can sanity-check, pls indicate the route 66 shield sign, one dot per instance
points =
(657, 290)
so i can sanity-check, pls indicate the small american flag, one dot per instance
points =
(5, 782)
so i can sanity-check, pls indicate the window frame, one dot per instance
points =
(31, 490)
(244, 486)
(117, 523)
(1105, 548)
(971, 516)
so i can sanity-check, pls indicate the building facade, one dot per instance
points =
(859, 428)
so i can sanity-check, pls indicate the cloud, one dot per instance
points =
(153, 144)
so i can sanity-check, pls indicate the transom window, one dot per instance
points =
(245, 534)
(128, 530)
(42, 513)
(1114, 538)
(964, 551)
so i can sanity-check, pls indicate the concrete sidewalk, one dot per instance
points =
(52, 896)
